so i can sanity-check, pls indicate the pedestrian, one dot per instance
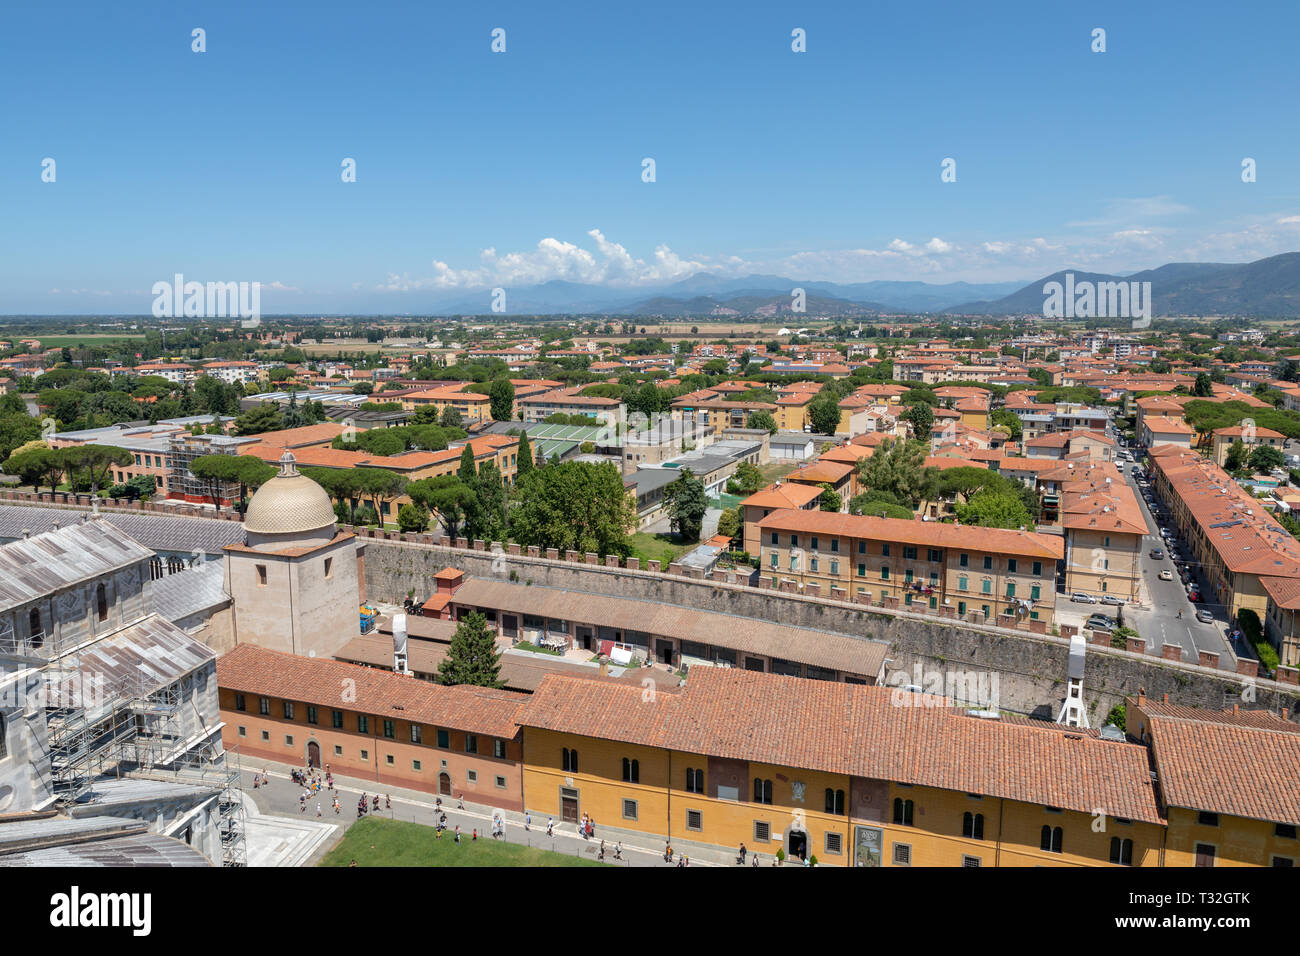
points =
(755, 859)
(550, 826)
(742, 854)
(475, 836)
(388, 803)
(336, 805)
(458, 833)
(618, 850)
(601, 855)
(528, 821)
(437, 804)
(460, 802)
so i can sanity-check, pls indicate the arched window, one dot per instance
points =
(902, 812)
(101, 602)
(1121, 851)
(570, 759)
(762, 790)
(175, 564)
(972, 825)
(1050, 839)
(36, 633)
(155, 569)
(834, 801)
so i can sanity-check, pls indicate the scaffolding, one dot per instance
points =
(139, 733)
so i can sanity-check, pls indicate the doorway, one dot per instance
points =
(798, 844)
(444, 784)
(568, 805)
(313, 755)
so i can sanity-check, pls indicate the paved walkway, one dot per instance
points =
(279, 800)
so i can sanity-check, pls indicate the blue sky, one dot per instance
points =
(225, 165)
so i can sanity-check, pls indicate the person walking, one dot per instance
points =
(317, 808)
(601, 854)
(755, 863)
(458, 833)
(618, 850)
(742, 854)
(550, 826)
(388, 803)
(528, 821)
(460, 802)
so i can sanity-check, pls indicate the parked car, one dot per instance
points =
(1194, 596)
(1204, 615)
(1078, 597)
(1100, 622)
(1112, 600)
(1157, 553)
(1166, 575)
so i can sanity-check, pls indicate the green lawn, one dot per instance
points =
(377, 842)
(777, 469)
(89, 338)
(651, 547)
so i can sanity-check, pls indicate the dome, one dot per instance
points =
(290, 503)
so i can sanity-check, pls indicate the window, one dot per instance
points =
(776, 559)
(388, 758)
(1012, 564)
(813, 546)
(1011, 589)
(794, 541)
(794, 562)
(1207, 819)
(1280, 862)
(694, 780)
(329, 567)
(862, 547)
(288, 710)
(762, 790)
(970, 861)
(934, 556)
(909, 553)
(266, 735)
(261, 575)
(240, 703)
(288, 740)
(1121, 851)
(336, 718)
(390, 730)
(1038, 568)
(338, 751)
(964, 560)
(1035, 592)
(986, 586)
(243, 732)
(417, 734)
(1286, 830)
(884, 573)
(500, 782)
(835, 843)
(101, 602)
(1050, 839)
(902, 812)
(962, 583)
(629, 809)
(264, 706)
(415, 765)
(835, 545)
(569, 760)
(694, 820)
(988, 562)
(834, 801)
(774, 538)
(1204, 855)
(471, 744)
(902, 854)
(471, 776)
(311, 714)
(972, 825)
(862, 570)
(835, 566)
(499, 748)
(34, 627)
(631, 771)
(444, 739)
(363, 724)
(812, 564)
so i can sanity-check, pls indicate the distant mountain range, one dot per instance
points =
(1265, 287)
(705, 294)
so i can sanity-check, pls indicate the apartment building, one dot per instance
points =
(994, 573)
(1250, 436)
(1104, 529)
(570, 401)
(472, 406)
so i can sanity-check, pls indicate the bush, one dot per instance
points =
(1116, 716)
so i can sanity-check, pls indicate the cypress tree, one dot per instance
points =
(472, 657)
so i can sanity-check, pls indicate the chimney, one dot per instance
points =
(1235, 708)
(27, 533)
(1166, 700)
(1142, 696)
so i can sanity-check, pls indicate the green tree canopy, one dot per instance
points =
(472, 657)
(574, 506)
(686, 503)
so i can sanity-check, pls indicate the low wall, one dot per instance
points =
(1030, 668)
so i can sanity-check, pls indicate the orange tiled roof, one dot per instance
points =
(932, 534)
